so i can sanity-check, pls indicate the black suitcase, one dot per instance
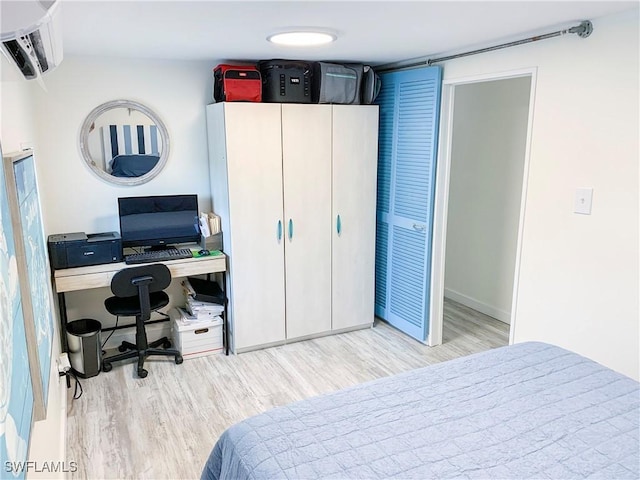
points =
(285, 81)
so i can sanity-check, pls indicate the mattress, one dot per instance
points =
(530, 410)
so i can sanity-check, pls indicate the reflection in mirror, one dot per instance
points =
(124, 142)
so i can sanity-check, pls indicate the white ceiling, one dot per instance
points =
(372, 32)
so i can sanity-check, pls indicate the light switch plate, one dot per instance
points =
(583, 200)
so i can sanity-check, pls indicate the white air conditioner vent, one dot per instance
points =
(31, 36)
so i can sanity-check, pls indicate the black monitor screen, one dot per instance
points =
(159, 220)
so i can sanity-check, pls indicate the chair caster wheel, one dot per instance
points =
(142, 372)
(167, 344)
(122, 348)
(106, 367)
(178, 359)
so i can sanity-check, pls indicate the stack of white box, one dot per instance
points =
(196, 335)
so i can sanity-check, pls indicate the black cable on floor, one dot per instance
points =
(109, 336)
(78, 387)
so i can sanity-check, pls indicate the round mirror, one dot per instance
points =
(124, 142)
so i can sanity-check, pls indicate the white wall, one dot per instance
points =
(17, 130)
(487, 161)
(17, 124)
(74, 198)
(579, 276)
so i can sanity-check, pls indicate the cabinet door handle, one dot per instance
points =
(279, 230)
(338, 225)
(290, 229)
(419, 228)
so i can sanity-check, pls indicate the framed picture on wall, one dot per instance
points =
(33, 271)
(16, 389)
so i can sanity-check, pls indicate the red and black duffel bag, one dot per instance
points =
(237, 83)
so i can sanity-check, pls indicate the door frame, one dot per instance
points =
(441, 201)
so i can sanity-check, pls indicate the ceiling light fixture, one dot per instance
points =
(301, 38)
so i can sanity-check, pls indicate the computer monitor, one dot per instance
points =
(158, 221)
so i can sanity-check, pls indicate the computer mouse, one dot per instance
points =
(203, 253)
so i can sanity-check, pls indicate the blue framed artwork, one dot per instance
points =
(33, 271)
(16, 390)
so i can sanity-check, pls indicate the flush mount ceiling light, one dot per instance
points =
(301, 38)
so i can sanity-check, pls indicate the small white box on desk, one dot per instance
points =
(195, 338)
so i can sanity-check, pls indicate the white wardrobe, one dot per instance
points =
(295, 186)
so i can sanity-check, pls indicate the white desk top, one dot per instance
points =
(96, 276)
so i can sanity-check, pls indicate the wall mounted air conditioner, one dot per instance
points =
(31, 35)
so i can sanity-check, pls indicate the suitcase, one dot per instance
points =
(237, 83)
(286, 81)
(336, 83)
(371, 85)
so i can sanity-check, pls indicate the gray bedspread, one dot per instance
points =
(530, 410)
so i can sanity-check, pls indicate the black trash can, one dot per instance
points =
(85, 351)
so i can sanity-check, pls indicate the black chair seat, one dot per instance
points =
(130, 306)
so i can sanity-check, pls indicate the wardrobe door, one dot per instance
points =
(306, 149)
(355, 150)
(254, 175)
(409, 113)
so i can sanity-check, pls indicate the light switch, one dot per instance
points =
(583, 201)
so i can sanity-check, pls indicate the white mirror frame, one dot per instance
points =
(84, 142)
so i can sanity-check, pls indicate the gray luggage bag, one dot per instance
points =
(370, 87)
(335, 83)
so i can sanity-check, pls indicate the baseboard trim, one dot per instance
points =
(306, 337)
(481, 307)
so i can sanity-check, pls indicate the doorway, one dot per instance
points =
(479, 206)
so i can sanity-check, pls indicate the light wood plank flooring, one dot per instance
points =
(165, 425)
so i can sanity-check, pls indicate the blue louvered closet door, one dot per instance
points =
(409, 113)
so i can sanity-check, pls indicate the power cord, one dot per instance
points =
(109, 336)
(77, 391)
(65, 370)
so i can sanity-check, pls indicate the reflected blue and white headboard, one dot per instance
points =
(129, 140)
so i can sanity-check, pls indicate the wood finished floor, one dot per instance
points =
(165, 425)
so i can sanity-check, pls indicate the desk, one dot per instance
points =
(96, 276)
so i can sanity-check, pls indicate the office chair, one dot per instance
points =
(139, 291)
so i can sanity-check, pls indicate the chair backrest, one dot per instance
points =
(123, 283)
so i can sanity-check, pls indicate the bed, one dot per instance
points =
(130, 150)
(530, 410)
(131, 166)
